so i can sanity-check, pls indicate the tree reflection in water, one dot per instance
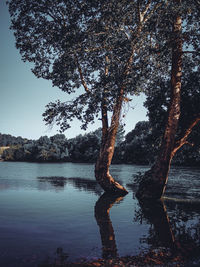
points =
(175, 236)
(59, 182)
(179, 231)
(102, 209)
(155, 213)
(173, 226)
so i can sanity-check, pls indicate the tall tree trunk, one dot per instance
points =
(154, 181)
(102, 173)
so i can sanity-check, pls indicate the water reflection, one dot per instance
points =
(160, 233)
(177, 230)
(175, 233)
(47, 220)
(102, 209)
(59, 182)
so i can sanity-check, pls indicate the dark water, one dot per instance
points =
(57, 211)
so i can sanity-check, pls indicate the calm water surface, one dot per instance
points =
(53, 210)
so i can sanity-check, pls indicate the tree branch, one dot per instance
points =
(81, 75)
(188, 131)
(93, 49)
(104, 115)
(106, 65)
(140, 17)
(146, 9)
(151, 13)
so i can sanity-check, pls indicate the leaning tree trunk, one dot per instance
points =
(154, 181)
(102, 173)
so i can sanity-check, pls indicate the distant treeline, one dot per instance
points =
(138, 147)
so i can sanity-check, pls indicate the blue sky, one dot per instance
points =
(23, 96)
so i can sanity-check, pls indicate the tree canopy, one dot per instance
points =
(94, 45)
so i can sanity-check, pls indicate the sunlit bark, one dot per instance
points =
(154, 181)
(183, 140)
(102, 173)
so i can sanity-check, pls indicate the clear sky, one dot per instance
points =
(23, 96)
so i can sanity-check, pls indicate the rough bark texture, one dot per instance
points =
(102, 173)
(102, 209)
(154, 181)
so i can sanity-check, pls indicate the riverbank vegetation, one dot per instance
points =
(139, 146)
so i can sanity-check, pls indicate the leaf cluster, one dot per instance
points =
(96, 45)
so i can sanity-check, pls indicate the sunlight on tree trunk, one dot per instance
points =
(154, 181)
(102, 173)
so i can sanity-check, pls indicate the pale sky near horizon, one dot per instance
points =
(23, 96)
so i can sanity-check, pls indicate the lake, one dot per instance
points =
(56, 211)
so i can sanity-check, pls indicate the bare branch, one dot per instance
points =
(106, 65)
(141, 15)
(140, 18)
(188, 131)
(81, 75)
(93, 49)
(188, 143)
(146, 9)
(99, 33)
(151, 13)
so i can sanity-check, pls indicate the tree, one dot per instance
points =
(184, 36)
(189, 104)
(138, 145)
(174, 230)
(95, 46)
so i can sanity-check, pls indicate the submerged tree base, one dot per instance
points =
(115, 188)
(149, 187)
(110, 186)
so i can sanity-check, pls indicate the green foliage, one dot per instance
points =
(73, 43)
(41, 150)
(9, 140)
(157, 102)
(142, 143)
(85, 148)
(159, 94)
(138, 146)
